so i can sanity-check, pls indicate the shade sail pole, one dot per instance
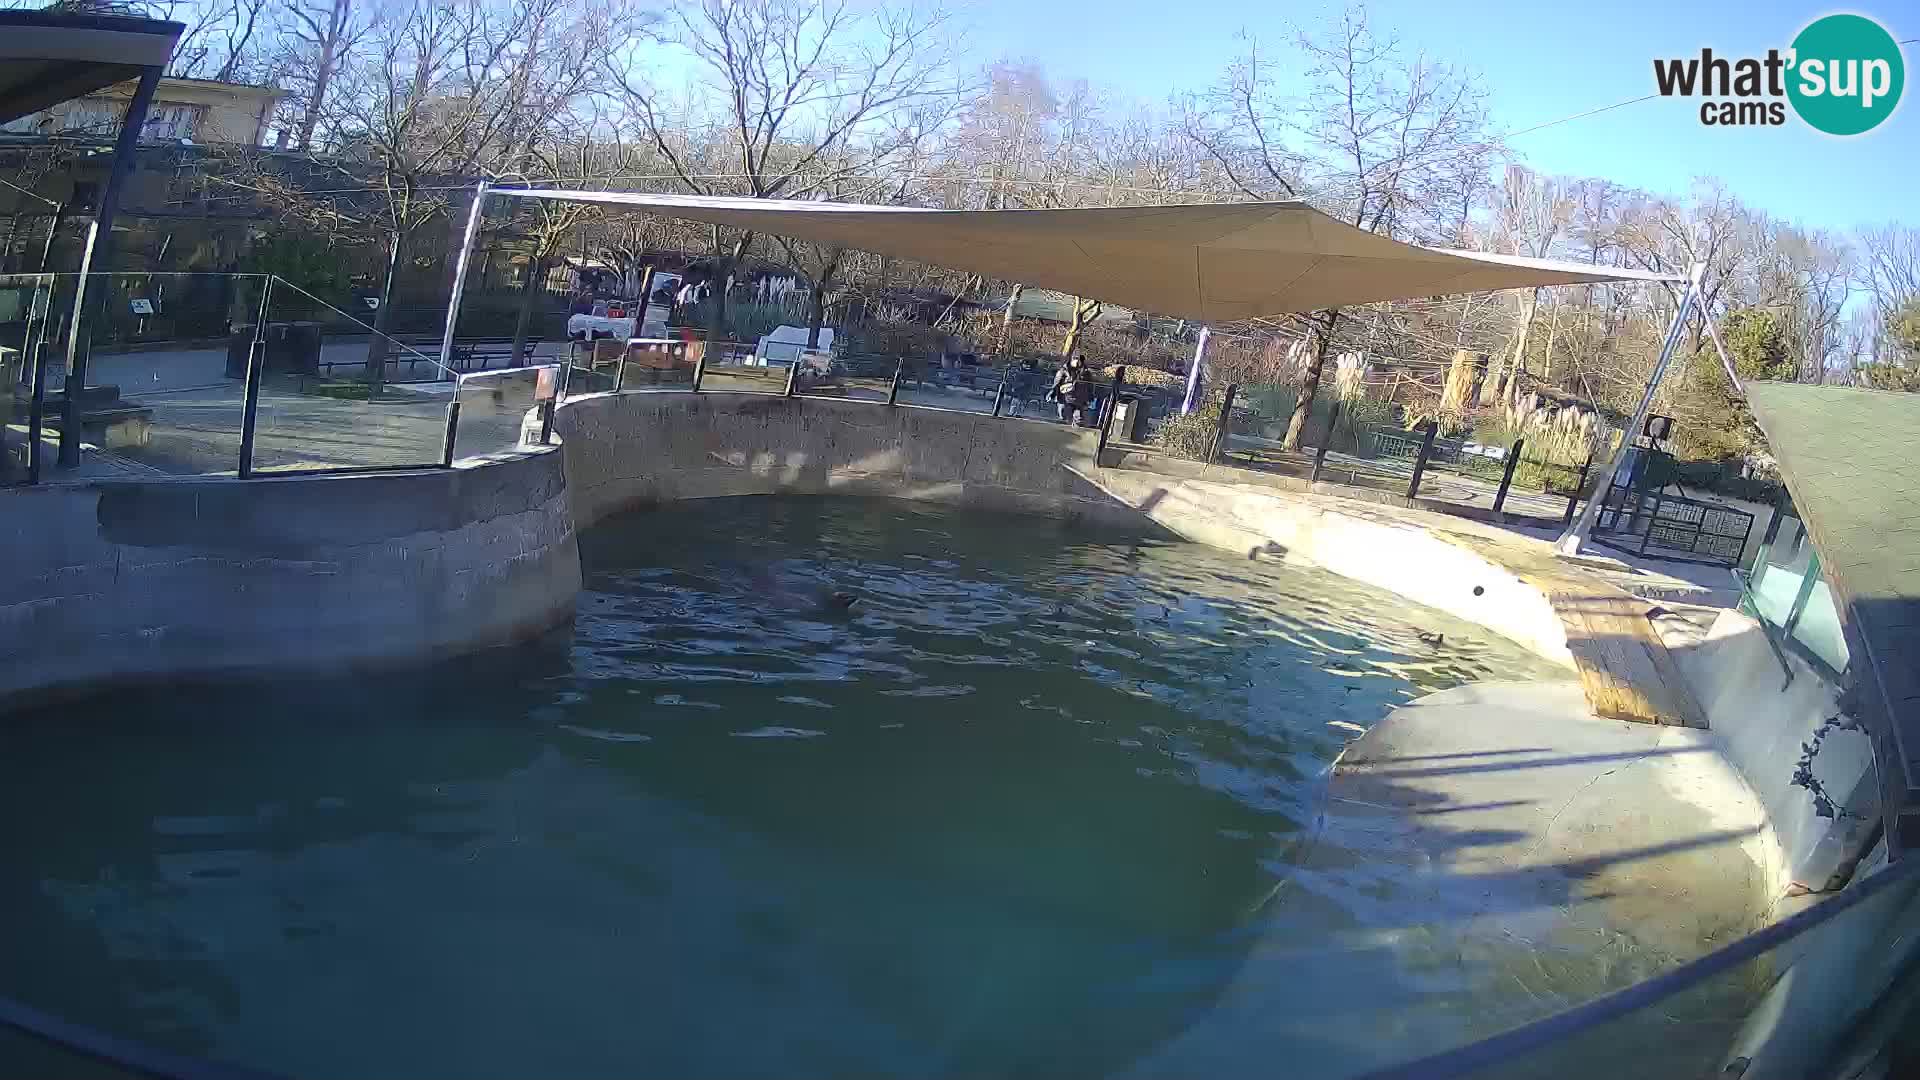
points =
(460, 278)
(1192, 399)
(1570, 541)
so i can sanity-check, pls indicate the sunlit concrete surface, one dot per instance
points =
(1491, 855)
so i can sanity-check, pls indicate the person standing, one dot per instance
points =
(1072, 390)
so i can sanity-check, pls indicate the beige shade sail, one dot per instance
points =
(1214, 263)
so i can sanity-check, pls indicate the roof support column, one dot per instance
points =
(1570, 541)
(98, 259)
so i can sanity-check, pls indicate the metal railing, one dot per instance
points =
(238, 375)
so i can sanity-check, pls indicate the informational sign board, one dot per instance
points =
(142, 307)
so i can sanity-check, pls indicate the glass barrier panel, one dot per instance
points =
(502, 410)
(24, 300)
(854, 377)
(733, 367)
(337, 394)
(165, 385)
(957, 388)
(656, 364)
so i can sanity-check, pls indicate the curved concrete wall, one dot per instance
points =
(115, 582)
(635, 449)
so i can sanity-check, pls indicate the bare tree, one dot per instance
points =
(1376, 141)
(790, 97)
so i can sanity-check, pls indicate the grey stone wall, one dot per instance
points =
(129, 581)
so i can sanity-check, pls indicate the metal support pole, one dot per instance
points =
(1570, 541)
(793, 378)
(1192, 397)
(1506, 478)
(453, 428)
(460, 282)
(1420, 462)
(699, 365)
(98, 257)
(1218, 448)
(37, 408)
(1000, 392)
(1580, 485)
(620, 371)
(256, 365)
(1113, 406)
(893, 388)
(1320, 454)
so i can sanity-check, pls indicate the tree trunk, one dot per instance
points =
(383, 318)
(717, 323)
(1310, 382)
(1553, 331)
(816, 312)
(1084, 312)
(536, 271)
(1006, 321)
(1507, 386)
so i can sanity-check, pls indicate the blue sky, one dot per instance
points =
(1540, 61)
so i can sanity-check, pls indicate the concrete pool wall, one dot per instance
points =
(111, 582)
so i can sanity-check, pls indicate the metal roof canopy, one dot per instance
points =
(49, 57)
(1213, 262)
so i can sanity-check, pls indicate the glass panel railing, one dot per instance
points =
(733, 367)
(336, 393)
(655, 364)
(856, 377)
(931, 384)
(163, 392)
(502, 411)
(24, 301)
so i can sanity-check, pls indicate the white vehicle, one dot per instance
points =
(786, 343)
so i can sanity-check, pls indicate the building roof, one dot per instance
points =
(1848, 455)
(1213, 262)
(50, 57)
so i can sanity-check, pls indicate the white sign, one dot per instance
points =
(373, 303)
(143, 307)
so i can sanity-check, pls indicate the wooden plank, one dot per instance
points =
(1624, 668)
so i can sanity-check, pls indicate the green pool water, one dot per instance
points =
(1020, 811)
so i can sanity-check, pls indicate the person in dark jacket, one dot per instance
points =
(1072, 390)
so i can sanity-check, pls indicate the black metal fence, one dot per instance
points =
(1672, 527)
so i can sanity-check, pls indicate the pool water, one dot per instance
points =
(1020, 810)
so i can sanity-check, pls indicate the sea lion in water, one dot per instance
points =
(820, 599)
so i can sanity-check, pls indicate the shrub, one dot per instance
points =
(1189, 436)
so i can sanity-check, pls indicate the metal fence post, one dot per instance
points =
(1000, 392)
(453, 425)
(620, 371)
(793, 379)
(1420, 462)
(893, 388)
(1113, 406)
(1506, 478)
(37, 407)
(1573, 499)
(256, 367)
(1218, 448)
(1320, 452)
(700, 366)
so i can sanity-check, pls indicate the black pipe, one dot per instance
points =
(893, 388)
(1506, 478)
(1113, 406)
(1218, 448)
(1320, 454)
(453, 428)
(1420, 462)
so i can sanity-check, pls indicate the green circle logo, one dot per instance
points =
(1847, 74)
